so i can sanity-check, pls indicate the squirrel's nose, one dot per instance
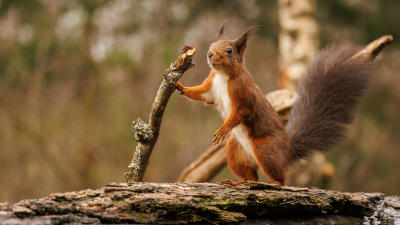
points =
(210, 54)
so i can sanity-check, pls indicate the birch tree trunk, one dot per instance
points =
(298, 40)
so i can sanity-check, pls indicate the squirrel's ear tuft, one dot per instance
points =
(220, 34)
(242, 40)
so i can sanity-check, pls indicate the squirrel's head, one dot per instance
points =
(228, 55)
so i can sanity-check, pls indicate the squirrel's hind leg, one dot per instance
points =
(240, 163)
(271, 158)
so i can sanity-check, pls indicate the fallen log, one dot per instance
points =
(176, 203)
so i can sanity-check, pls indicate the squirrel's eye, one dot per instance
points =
(228, 50)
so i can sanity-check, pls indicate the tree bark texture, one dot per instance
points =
(147, 134)
(372, 49)
(175, 203)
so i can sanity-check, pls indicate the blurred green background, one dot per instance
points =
(75, 74)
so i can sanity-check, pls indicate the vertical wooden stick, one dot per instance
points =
(147, 134)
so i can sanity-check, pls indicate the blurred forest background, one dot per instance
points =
(75, 74)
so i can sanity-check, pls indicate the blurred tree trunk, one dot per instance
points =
(298, 44)
(298, 40)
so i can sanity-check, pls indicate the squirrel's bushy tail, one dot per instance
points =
(328, 95)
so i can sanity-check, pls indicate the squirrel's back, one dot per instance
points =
(329, 93)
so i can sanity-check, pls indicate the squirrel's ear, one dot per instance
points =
(220, 34)
(241, 42)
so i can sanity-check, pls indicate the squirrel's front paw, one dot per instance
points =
(179, 87)
(219, 136)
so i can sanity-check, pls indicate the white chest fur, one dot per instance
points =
(242, 136)
(219, 95)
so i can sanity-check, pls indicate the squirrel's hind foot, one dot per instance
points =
(229, 182)
(275, 182)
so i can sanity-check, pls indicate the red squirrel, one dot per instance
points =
(328, 95)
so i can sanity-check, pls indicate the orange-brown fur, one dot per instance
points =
(194, 93)
(239, 162)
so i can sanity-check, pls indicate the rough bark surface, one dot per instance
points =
(175, 203)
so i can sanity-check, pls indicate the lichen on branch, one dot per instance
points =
(143, 132)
